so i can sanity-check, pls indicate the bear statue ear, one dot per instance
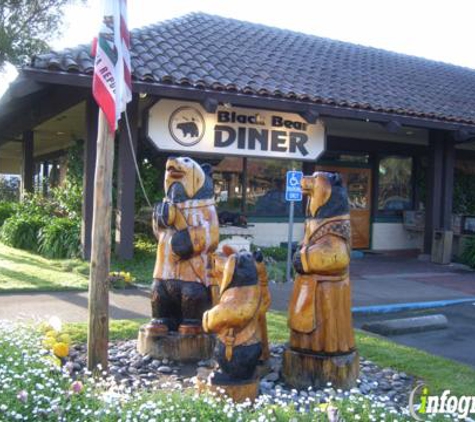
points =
(207, 168)
(337, 180)
(258, 255)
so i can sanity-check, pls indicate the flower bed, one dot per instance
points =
(36, 385)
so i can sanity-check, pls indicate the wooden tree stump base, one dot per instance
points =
(238, 391)
(302, 370)
(175, 346)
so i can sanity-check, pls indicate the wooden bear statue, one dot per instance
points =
(322, 345)
(187, 229)
(235, 320)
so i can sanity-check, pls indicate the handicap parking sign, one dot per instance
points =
(293, 190)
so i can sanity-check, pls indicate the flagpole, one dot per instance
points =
(98, 312)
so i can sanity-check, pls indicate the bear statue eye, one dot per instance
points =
(186, 160)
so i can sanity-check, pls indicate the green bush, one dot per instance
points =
(21, 231)
(275, 252)
(7, 209)
(468, 254)
(60, 238)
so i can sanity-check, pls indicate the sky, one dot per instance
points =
(434, 29)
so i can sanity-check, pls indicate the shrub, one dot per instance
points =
(7, 209)
(468, 254)
(60, 238)
(275, 252)
(21, 231)
(68, 199)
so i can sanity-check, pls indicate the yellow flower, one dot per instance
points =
(51, 333)
(49, 342)
(65, 338)
(61, 350)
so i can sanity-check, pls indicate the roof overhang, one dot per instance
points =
(247, 100)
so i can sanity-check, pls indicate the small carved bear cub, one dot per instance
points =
(235, 319)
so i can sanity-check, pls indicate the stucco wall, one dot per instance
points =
(271, 234)
(385, 236)
(393, 236)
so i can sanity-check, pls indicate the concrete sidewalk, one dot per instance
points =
(376, 280)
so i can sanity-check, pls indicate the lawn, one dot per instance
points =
(439, 373)
(24, 271)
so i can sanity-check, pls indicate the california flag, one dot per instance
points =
(112, 85)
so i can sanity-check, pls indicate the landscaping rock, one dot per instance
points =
(164, 369)
(143, 372)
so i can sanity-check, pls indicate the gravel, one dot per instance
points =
(128, 367)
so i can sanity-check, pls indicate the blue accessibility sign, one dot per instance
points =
(293, 190)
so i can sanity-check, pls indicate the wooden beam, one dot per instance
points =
(447, 184)
(28, 162)
(434, 193)
(343, 144)
(88, 180)
(98, 310)
(125, 217)
(45, 177)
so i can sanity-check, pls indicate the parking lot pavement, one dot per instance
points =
(457, 342)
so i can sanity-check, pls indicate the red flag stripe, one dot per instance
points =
(107, 103)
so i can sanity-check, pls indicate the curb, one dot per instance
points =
(398, 307)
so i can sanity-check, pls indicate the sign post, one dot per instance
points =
(293, 193)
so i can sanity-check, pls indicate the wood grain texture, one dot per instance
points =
(98, 322)
(303, 370)
(174, 346)
(239, 392)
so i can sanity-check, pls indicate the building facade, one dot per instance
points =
(397, 127)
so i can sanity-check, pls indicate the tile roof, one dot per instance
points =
(205, 51)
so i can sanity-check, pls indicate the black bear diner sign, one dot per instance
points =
(187, 127)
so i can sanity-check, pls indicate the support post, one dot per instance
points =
(125, 218)
(28, 163)
(45, 178)
(88, 180)
(448, 183)
(440, 186)
(434, 187)
(244, 185)
(98, 321)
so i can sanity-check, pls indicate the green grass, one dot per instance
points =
(438, 373)
(24, 271)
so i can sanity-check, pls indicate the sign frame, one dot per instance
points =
(317, 145)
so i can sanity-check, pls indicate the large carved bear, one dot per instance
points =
(320, 306)
(187, 229)
(235, 319)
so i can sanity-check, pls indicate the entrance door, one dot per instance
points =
(358, 184)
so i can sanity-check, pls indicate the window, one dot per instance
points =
(228, 178)
(395, 184)
(266, 187)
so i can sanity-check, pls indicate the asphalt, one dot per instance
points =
(456, 342)
(376, 280)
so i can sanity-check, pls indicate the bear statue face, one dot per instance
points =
(240, 270)
(186, 179)
(327, 197)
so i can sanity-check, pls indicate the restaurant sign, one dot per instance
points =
(188, 127)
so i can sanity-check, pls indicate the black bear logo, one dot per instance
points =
(188, 128)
